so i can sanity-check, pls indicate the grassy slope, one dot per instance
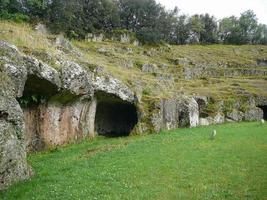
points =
(182, 164)
(116, 54)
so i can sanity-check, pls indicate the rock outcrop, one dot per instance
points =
(13, 165)
(174, 113)
(54, 108)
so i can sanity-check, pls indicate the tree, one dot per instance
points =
(100, 15)
(196, 27)
(260, 35)
(146, 18)
(63, 17)
(208, 35)
(230, 31)
(37, 8)
(248, 25)
(181, 30)
(12, 6)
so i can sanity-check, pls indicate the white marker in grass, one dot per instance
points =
(213, 135)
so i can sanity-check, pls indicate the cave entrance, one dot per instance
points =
(114, 117)
(264, 109)
(202, 105)
(37, 92)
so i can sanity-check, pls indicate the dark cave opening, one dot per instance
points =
(202, 108)
(36, 91)
(264, 109)
(115, 117)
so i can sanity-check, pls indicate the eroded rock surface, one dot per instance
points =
(110, 85)
(175, 112)
(76, 79)
(13, 165)
(54, 124)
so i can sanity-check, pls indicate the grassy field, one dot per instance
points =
(183, 164)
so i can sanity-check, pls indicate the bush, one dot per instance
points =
(149, 36)
(17, 17)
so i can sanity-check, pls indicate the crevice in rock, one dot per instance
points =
(264, 109)
(3, 115)
(114, 117)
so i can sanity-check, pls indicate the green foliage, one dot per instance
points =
(243, 30)
(37, 8)
(16, 17)
(146, 92)
(181, 164)
(229, 105)
(147, 19)
(149, 36)
(32, 100)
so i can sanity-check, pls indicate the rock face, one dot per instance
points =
(174, 113)
(253, 114)
(189, 112)
(13, 66)
(55, 108)
(76, 79)
(13, 165)
(110, 85)
(55, 124)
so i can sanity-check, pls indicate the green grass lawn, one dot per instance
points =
(182, 164)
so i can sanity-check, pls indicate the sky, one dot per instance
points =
(219, 8)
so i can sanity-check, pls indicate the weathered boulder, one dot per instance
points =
(170, 114)
(63, 43)
(188, 112)
(262, 62)
(125, 38)
(41, 70)
(177, 112)
(235, 115)
(183, 62)
(253, 114)
(95, 37)
(126, 63)
(108, 84)
(13, 66)
(76, 79)
(150, 68)
(193, 112)
(219, 118)
(205, 121)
